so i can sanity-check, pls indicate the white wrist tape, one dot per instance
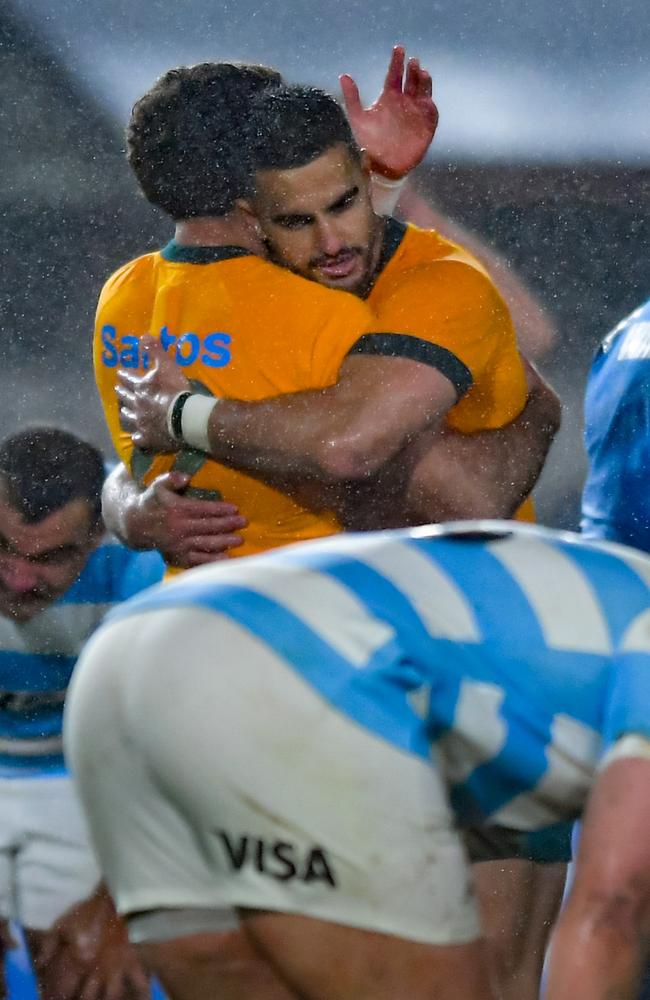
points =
(195, 420)
(630, 745)
(385, 193)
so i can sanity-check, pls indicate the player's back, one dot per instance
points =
(238, 327)
(499, 645)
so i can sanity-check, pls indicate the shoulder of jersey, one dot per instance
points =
(139, 268)
(428, 245)
(638, 320)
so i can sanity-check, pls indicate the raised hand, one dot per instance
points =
(398, 128)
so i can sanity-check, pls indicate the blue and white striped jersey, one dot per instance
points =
(37, 656)
(512, 654)
(616, 499)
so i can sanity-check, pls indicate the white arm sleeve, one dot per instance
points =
(385, 193)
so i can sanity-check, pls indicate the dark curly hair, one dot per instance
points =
(290, 126)
(185, 138)
(44, 468)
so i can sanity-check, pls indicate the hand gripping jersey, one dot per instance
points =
(616, 498)
(509, 655)
(37, 657)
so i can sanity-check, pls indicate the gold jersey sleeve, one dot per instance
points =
(446, 311)
(450, 315)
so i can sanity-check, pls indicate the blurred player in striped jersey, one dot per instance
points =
(59, 574)
(304, 744)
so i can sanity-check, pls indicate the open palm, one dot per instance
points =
(398, 128)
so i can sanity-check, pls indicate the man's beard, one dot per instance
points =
(360, 288)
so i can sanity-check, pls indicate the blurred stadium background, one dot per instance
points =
(543, 149)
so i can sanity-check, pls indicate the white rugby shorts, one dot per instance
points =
(46, 860)
(214, 776)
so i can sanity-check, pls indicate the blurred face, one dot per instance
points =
(38, 562)
(319, 222)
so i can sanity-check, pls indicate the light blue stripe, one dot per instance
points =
(495, 597)
(368, 696)
(114, 573)
(47, 766)
(37, 726)
(517, 768)
(621, 593)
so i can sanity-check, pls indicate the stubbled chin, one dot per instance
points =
(20, 612)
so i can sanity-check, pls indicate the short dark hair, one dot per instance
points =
(290, 126)
(45, 468)
(186, 134)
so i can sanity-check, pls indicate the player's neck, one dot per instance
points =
(233, 229)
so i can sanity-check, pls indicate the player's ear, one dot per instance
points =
(366, 162)
(250, 218)
(246, 206)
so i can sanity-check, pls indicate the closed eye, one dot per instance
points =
(344, 202)
(293, 221)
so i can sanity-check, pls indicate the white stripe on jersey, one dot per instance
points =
(330, 609)
(561, 596)
(635, 343)
(572, 756)
(637, 635)
(32, 748)
(435, 597)
(60, 629)
(479, 732)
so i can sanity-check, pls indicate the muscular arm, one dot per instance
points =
(490, 473)
(601, 940)
(445, 475)
(344, 432)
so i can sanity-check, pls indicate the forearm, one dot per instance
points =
(487, 474)
(444, 475)
(593, 958)
(346, 432)
(121, 508)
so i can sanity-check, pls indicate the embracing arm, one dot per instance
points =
(445, 475)
(344, 432)
(600, 945)
(487, 474)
